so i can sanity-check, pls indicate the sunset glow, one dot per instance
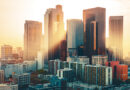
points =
(14, 13)
(64, 45)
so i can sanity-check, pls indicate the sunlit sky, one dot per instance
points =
(13, 14)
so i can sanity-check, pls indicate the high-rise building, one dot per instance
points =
(53, 66)
(80, 70)
(74, 36)
(73, 66)
(94, 20)
(40, 60)
(12, 68)
(113, 64)
(99, 59)
(98, 75)
(32, 39)
(119, 71)
(6, 51)
(66, 73)
(22, 79)
(116, 37)
(1, 76)
(54, 32)
(64, 64)
(63, 51)
(122, 72)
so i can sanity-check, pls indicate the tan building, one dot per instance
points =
(6, 51)
(20, 52)
(54, 31)
(116, 37)
(32, 39)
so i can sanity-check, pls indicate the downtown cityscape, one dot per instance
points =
(71, 54)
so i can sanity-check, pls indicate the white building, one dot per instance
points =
(99, 59)
(26, 66)
(13, 68)
(98, 75)
(29, 66)
(83, 86)
(83, 59)
(80, 59)
(8, 87)
(40, 60)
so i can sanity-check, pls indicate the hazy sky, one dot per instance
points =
(13, 14)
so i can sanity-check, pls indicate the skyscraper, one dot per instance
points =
(6, 51)
(54, 31)
(74, 35)
(116, 37)
(94, 20)
(98, 75)
(32, 39)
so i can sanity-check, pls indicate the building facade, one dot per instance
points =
(54, 65)
(116, 37)
(99, 59)
(66, 73)
(122, 72)
(22, 79)
(6, 52)
(54, 32)
(94, 31)
(98, 75)
(32, 39)
(8, 87)
(74, 36)
(119, 71)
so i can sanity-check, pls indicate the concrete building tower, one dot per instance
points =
(116, 37)
(32, 39)
(54, 32)
(94, 20)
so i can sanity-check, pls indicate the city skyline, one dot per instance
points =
(64, 45)
(13, 27)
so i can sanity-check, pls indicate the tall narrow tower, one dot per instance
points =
(54, 32)
(74, 36)
(116, 37)
(94, 20)
(32, 39)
